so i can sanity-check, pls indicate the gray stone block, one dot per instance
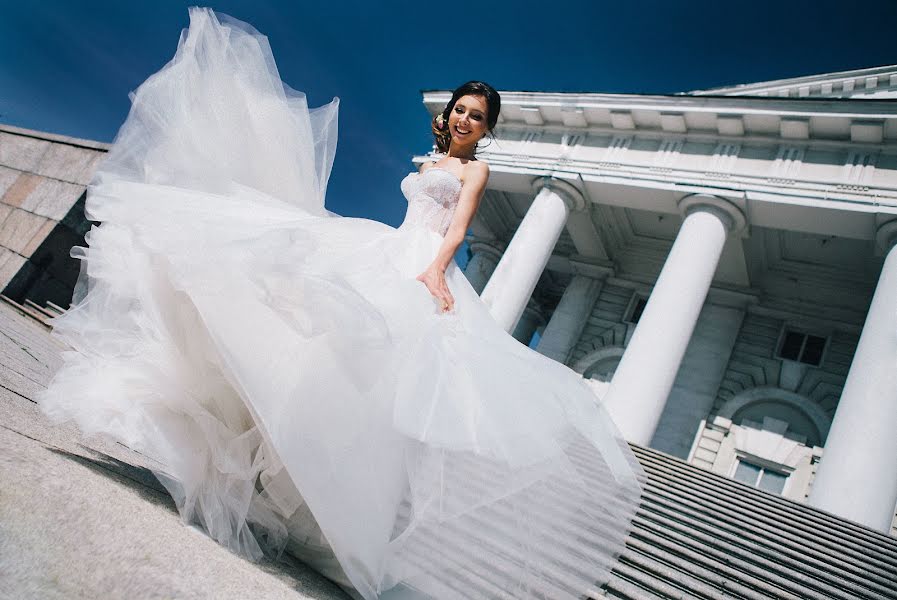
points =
(19, 191)
(68, 163)
(19, 228)
(52, 198)
(7, 179)
(10, 263)
(84, 517)
(5, 209)
(21, 152)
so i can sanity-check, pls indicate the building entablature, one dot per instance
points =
(858, 121)
(772, 195)
(868, 83)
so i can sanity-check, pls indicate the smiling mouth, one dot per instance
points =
(459, 132)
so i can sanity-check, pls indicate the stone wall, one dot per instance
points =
(754, 364)
(43, 178)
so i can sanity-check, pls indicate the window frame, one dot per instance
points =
(806, 333)
(764, 466)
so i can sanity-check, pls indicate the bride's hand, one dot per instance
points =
(434, 279)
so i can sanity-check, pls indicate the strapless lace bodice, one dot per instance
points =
(432, 197)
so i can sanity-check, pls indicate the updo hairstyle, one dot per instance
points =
(474, 88)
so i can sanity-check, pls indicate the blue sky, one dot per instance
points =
(67, 66)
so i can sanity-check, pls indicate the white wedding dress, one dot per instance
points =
(299, 385)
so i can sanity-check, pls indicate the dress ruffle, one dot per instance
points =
(298, 384)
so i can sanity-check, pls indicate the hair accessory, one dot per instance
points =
(440, 122)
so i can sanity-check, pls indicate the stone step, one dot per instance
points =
(25, 310)
(39, 309)
(55, 308)
(701, 535)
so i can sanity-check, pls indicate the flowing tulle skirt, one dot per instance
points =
(299, 385)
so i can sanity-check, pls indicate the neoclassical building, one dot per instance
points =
(719, 265)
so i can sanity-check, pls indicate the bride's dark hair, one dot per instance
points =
(474, 88)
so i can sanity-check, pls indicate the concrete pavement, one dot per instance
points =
(87, 519)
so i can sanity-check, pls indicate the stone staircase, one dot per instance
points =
(41, 314)
(701, 535)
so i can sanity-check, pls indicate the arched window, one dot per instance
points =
(807, 422)
(601, 364)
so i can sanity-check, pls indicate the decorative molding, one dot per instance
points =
(787, 163)
(570, 141)
(730, 125)
(805, 406)
(622, 119)
(869, 132)
(673, 122)
(794, 128)
(573, 116)
(723, 161)
(532, 115)
(666, 154)
(617, 148)
(823, 84)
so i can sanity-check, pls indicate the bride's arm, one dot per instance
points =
(476, 176)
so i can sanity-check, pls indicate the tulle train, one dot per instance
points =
(297, 383)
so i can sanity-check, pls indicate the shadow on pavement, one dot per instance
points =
(139, 479)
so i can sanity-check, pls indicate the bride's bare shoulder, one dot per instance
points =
(481, 166)
(477, 170)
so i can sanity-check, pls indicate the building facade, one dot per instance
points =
(719, 266)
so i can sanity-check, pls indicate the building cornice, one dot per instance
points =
(859, 121)
(710, 103)
(734, 186)
(822, 84)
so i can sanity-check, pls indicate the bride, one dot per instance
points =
(327, 385)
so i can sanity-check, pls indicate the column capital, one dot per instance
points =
(886, 237)
(568, 192)
(728, 213)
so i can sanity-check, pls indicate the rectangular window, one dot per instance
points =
(802, 347)
(772, 481)
(760, 477)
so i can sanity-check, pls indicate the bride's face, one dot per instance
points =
(467, 121)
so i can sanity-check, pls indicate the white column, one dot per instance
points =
(518, 271)
(569, 318)
(699, 377)
(530, 320)
(857, 476)
(645, 376)
(482, 264)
